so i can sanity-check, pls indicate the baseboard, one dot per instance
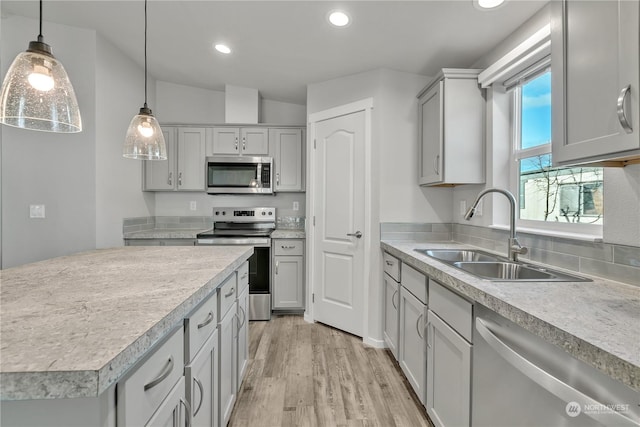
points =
(374, 343)
(308, 318)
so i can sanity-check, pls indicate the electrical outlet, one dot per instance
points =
(478, 211)
(36, 211)
(193, 205)
(463, 207)
(296, 206)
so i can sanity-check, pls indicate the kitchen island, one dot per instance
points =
(71, 327)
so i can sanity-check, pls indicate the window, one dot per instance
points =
(547, 194)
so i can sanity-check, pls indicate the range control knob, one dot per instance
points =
(224, 213)
(264, 213)
(217, 212)
(270, 213)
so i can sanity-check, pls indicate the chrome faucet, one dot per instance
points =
(514, 248)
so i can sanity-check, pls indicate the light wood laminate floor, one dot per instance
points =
(303, 374)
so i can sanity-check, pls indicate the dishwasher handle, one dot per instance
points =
(547, 381)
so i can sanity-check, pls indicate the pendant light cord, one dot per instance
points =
(40, 33)
(145, 53)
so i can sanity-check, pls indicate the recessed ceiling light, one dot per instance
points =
(223, 48)
(339, 18)
(488, 4)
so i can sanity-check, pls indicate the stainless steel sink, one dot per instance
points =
(460, 255)
(496, 268)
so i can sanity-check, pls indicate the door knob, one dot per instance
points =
(356, 234)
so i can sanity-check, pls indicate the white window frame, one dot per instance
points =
(527, 60)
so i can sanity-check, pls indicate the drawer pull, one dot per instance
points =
(418, 327)
(199, 384)
(163, 375)
(208, 320)
(288, 247)
(231, 292)
(244, 276)
(390, 263)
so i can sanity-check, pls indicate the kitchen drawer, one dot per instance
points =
(243, 277)
(227, 295)
(391, 266)
(288, 247)
(415, 282)
(452, 308)
(157, 373)
(199, 326)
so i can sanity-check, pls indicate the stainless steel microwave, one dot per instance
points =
(239, 175)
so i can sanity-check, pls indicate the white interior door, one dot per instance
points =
(339, 203)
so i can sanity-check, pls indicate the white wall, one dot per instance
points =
(283, 113)
(119, 96)
(396, 194)
(56, 170)
(187, 104)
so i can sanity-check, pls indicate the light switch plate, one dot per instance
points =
(193, 205)
(36, 211)
(296, 206)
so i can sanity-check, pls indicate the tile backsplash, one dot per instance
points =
(609, 261)
(166, 222)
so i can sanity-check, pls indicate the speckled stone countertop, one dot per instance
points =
(71, 326)
(596, 322)
(164, 233)
(288, 233)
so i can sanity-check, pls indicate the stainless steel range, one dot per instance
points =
(250, 227)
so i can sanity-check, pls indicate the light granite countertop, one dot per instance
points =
(596, 322)
(165, 233)
(288, 233)
(72, 326)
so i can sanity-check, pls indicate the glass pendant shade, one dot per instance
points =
(144, 140)
(37, 94)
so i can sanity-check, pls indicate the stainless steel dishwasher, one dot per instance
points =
(521, 380)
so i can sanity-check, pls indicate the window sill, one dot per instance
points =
(594, 238)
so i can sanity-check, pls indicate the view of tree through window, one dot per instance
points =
(568, 195)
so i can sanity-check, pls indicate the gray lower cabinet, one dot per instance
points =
(288, 279)
(412, 355)
(228, 333)
(449, 348)
(202, 384)
(243, 336)
(391, 313)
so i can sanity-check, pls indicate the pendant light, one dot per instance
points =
(36, 93)
(144, 139)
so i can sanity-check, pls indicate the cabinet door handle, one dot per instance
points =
(436, 164)
(237, 334)
(278, 179)
(393, 302)
(236, 143)
(208, 320)
(418, 327)
(244, 143)
(243, 276)
(187, 417)
(622, 117)
(180, 179)
(277, 262)
(231, 292)
(389, 263)
(170, 178)
(162, 376)
(244, 316)
(199, 384)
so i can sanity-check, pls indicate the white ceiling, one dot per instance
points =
(281, 46)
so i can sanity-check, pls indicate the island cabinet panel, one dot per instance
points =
(391, 313)
(174, 411)
(228, 333)
(243, 337)
(412, 351)
(142, 392)
(202, 377)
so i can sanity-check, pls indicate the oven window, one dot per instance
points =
(232, 175)
(259, 274)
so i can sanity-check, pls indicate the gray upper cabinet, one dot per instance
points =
(595, 81)
(288, 159)
(184, 168)
(240, 141)
(451, 129)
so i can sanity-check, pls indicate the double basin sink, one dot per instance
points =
(496, 268)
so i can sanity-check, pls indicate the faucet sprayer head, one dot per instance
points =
(470, 213)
